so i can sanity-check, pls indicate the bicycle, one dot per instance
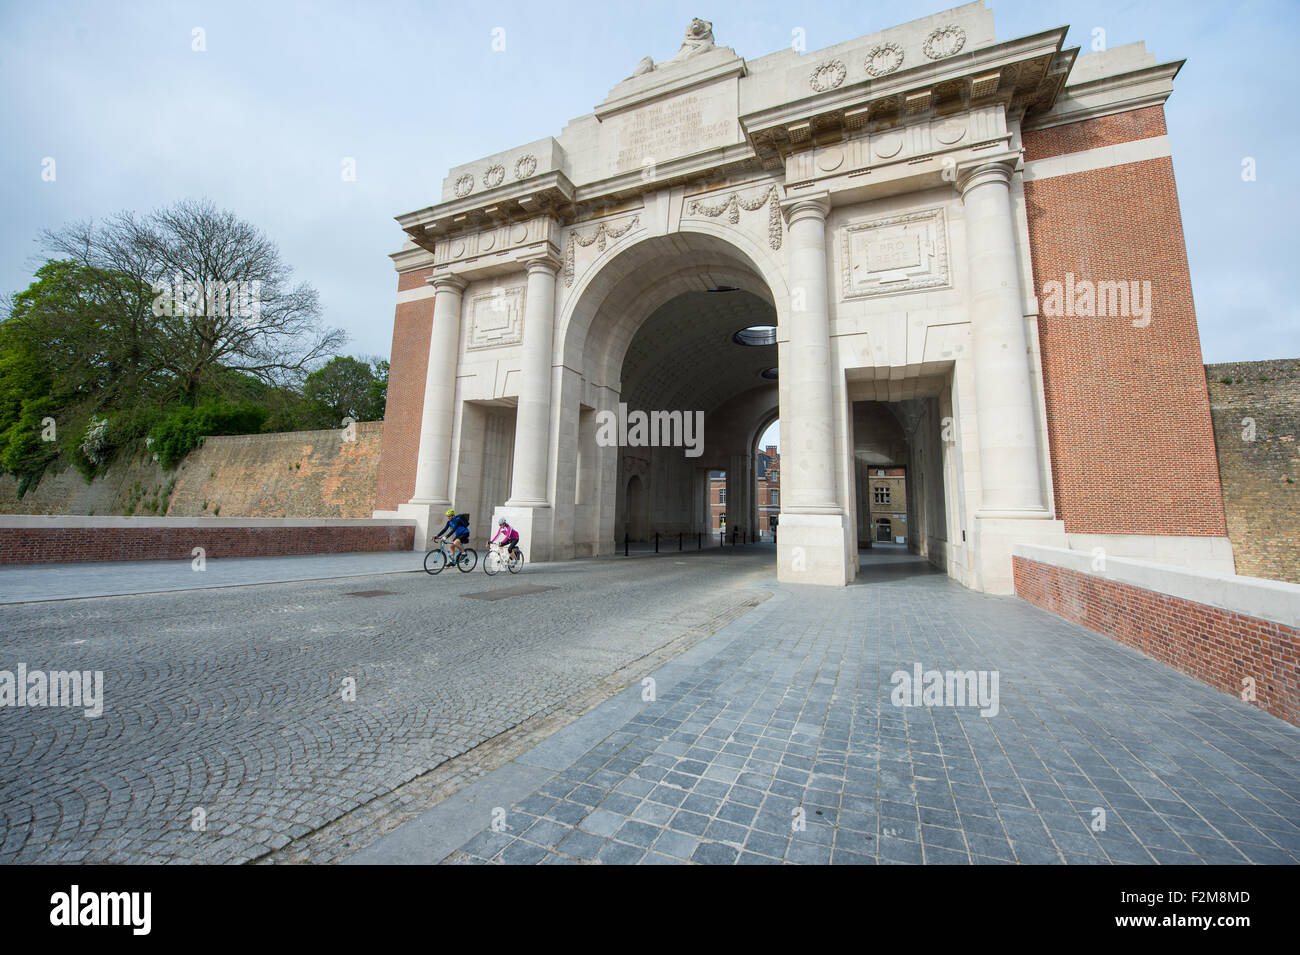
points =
(497, 557)
(441, 556)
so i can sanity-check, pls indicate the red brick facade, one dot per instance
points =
(1131, 439)
(1217, 647)
(45, 545)
(1094, 133)
(410, 356)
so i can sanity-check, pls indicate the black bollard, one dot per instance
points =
(679, 541)
(624, 545)
(656, 542)
(699, 541)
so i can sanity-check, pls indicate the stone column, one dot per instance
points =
(432, 472)
(736, 482)
(812, 546)
(1004, 394)
(533, 419)
(810, 471)
(529, 507)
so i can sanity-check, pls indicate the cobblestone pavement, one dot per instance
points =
(790, 719)
(25, 583)
(225, 733)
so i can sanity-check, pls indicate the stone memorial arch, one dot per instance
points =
(723, 243)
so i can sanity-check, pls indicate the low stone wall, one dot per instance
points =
(43, 540)
(313, 474)
(1220, 629)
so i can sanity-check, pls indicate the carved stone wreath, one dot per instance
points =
(599, 238)
(732, 205)
(525, 166)
(464, 186)
(828, 76)
(884, 59)
(944, 41)
(493, 177)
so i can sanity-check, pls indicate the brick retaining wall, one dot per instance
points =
(1214, 645)
(157, 539)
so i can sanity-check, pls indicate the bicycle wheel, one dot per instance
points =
(491, 563)
(468, 560)
(434, 561)
(516, 562)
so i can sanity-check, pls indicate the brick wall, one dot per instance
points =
(40, 545)
(1130, 435)
(1256, 411)
(1091, 134)
(1215, 646)
(412, 326)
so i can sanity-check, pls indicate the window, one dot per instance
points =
(722, 495)
(776, 498)
(882, 494)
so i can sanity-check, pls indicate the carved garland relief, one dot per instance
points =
(602, 235)
(945, 41)
(732, 204)
(828, 76)
(884, 59)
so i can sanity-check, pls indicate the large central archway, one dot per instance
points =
(654, 330)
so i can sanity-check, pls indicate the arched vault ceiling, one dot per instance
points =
(683, 357)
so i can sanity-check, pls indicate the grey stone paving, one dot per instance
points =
(230, 701)
(787, 713)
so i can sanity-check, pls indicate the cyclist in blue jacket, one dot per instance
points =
(457, 530)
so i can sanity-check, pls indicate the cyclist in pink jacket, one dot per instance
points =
(508, 536)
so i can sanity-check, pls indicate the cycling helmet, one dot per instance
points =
(451, 512)
(501, 521)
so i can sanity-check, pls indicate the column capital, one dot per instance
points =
(982, 173)
(546, 261)
(448, 282)
(807, 207)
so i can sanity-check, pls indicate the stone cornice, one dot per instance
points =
(1149, 86)
(542, 193)
(1019, 73)
(406, 260)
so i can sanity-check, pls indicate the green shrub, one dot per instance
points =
(184, 430)
(23, 450)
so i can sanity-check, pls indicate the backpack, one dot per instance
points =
(460, 523)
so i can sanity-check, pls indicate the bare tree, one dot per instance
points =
(206, 291)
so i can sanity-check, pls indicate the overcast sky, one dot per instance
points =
(262, 120)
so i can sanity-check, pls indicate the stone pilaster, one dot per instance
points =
(433, 468)
(811, 547)
(533, 420)
(1012, 502)
(1004, 393)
